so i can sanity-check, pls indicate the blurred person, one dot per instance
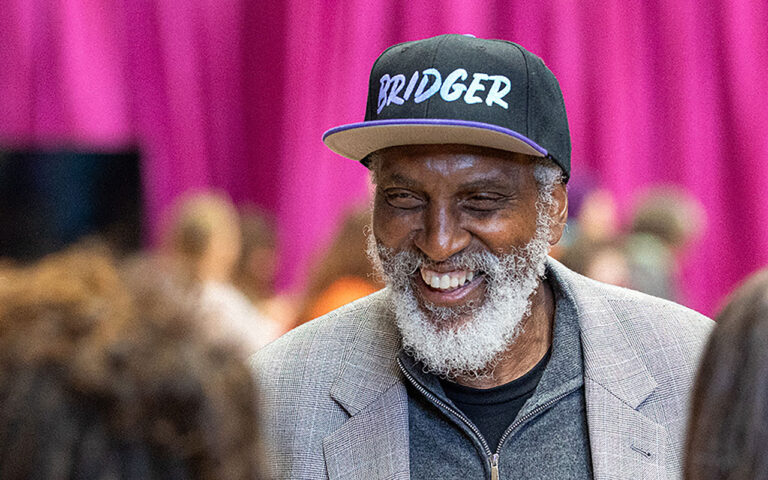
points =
(482, 357)
(728, 428)
(204, 233)
(595, 220)
(665, 221)
(344, 272)
(105, 374)
(670, 214)
(256, 271)
(603, 260)
(204, 237)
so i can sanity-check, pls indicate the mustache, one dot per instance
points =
(408, 262)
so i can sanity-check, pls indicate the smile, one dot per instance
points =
(451, 289)
(447, 280)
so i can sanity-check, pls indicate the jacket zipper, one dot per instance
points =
(493, 458)
(439, 402)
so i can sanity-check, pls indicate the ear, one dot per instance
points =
(558, 212)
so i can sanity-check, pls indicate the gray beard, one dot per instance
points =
(468, 341)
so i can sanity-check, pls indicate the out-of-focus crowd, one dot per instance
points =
(230, 256)
(134, 366)
(645, 251)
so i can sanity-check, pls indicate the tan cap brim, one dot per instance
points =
(357, 140)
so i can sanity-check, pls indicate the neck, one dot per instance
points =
(528, 348)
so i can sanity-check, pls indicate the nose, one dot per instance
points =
(442, 234)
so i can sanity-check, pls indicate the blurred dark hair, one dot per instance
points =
(104, 374)
(728, 428)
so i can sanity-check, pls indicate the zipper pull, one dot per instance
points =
(495, 466)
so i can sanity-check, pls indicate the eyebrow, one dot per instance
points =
(480, 184)
(404, 181)
(485, 184)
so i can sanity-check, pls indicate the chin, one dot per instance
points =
(445, 319)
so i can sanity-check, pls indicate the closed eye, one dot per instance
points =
(485, 202)
(403, 199)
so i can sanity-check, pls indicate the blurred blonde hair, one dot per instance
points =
(195, 222)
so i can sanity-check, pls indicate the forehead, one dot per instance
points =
(453, 163)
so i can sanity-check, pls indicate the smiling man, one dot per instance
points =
(483, 357)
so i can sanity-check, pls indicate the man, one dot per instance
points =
(483, 358)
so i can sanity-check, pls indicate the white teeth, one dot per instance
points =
(448, 280)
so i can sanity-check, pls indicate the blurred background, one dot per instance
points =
(116, 114)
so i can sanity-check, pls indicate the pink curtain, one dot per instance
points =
(235, 94)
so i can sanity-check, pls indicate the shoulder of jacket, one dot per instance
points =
(322, 340)
(647, 311)
(631, 307)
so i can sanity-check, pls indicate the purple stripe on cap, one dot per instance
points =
(437, 121)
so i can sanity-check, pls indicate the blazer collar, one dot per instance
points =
(609, 357)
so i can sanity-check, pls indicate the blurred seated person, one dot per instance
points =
(728, 428)
(204, 238)
(343, 273)
(602, 260)
(665, 221)
(105, 375)
(256, 270)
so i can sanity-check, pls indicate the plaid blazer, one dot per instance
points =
(335, 406)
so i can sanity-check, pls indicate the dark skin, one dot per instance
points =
(444, 199)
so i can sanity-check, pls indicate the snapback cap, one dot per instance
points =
(460, 89)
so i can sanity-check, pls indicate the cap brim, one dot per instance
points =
(357, 140)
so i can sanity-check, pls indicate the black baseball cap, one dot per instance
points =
(460, 89)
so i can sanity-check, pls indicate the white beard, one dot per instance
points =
(467, 341)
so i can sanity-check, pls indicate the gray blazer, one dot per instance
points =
(335, 405)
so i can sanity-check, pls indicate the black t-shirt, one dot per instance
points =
(493, 410)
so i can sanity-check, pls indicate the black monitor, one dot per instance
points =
(50, 199)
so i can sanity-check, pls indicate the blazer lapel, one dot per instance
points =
(373, 442)
(624, 443)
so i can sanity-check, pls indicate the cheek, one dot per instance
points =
(500, 235)
(391, 229)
